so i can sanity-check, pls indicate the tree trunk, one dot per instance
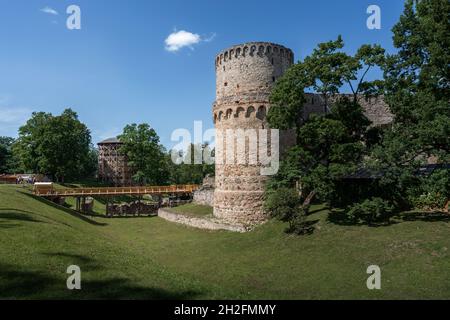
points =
(307, 201)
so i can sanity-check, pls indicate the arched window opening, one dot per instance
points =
(239, 111)
(250, 111)
(261, 114)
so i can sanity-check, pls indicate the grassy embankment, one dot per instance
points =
(155, 259)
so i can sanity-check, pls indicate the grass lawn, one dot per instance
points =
(155, 259)
(191, 209)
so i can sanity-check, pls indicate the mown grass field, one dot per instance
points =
(149, 258)
(194, 210)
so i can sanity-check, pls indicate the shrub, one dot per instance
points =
(285, 204)
(370, 211)
(433, 193)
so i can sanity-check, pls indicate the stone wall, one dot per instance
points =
(375, 108)
(134, 208)
(205, 195)
(201, 223)
(250, 68)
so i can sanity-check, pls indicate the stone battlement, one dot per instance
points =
(250, 68)
(253, 49)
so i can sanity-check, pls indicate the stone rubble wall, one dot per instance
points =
(204, 197)
(375, 108)
(133, 208)
(201, 223)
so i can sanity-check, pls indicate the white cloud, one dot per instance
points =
(180, 39)
(49, 11)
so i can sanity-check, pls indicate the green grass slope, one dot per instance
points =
(149, 258)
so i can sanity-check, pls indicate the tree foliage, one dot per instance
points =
(8, 162)
(370, 211)
(416, 87)
(416, 82)
(329, 145)
(58, 146)
(285, 205)
(189, 172)
(146, 156)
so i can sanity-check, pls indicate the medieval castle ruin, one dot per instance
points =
(245, 76)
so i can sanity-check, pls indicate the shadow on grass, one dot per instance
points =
(21, 284)
(307, 229)
(73, 213)
(17, 215)
(425, 216)
(8, 225)
(317, 210)
(74, 258)
(152, 215)
(338, 216)
(32, 219)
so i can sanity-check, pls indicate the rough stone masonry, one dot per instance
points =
(245, 76)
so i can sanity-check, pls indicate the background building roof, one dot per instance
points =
(110, 141)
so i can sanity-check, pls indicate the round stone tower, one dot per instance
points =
(245, 76)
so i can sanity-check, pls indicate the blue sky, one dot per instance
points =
(118, 69)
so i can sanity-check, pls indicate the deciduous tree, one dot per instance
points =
(146, 156)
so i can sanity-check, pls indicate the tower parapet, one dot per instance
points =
(246, 70)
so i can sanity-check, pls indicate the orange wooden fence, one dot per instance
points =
(8, 179)
(44, 191)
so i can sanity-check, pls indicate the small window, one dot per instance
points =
(225, 84)
(273, 79)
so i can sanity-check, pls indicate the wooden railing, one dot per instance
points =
(8, 179)
(111, 191)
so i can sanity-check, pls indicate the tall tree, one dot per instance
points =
(28, 143)
(146, 156)
(417, 82)
(417, 90)
(58, 146)
(329, 145)
(5, 154)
